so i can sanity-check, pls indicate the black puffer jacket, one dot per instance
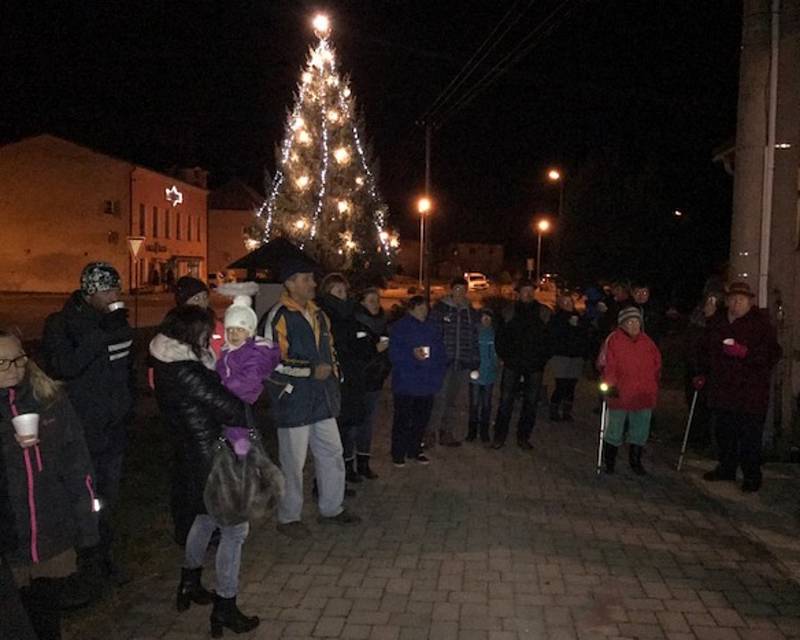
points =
(570, 339)
(523, 340)
(97, 365)
(196, 407)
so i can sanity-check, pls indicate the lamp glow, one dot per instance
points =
(343, 206)
(333, 115)
(307, 77)
(543, 225)
(303, 137)
(554, 175)
(424, 205)
(303, 181)
(321, 24)
(341, 155)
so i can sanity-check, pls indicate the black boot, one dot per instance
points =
(635, 459)
(350, 472)
(472, 432)
(609, 456)
(226, 615)
(362, 464)
(41, 601)
(555, 416)
(484, 432)
(191, 590)
(566, 412)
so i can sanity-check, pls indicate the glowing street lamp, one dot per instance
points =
(322, 25)
(543, 226)
(555, 175)
(424, 207)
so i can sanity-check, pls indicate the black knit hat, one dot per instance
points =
(187, 287)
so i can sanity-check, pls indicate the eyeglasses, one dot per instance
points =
(19, 362)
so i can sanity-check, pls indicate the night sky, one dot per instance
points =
(629, 98)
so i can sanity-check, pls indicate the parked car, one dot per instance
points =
(476, 281)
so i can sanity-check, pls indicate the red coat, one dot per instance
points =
(739, 384)
(633, 366)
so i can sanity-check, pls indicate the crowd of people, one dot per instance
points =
(319, 360)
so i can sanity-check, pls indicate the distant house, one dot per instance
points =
(460, 257)
(231, 211)
(63, 205)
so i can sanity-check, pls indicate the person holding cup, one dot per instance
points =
(570, 333)
(88, 345)
(419, 361)
(50, 484)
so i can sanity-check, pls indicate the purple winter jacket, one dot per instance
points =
(244, 369)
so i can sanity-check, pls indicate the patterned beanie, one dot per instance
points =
(99, 276)
(627, 313)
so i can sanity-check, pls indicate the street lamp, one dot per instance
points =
(543, 226)
(554, 175)
(424, 206)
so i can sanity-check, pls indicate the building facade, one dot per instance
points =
(63, 205)
(231, 212)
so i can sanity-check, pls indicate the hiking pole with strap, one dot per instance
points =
(698, 382)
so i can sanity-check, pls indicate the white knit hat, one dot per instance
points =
(240, 313)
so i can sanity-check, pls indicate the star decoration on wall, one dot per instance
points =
(174, 196)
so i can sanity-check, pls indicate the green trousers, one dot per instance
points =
(638, 426)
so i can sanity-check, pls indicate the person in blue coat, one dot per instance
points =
(482, 380)
(419, 360)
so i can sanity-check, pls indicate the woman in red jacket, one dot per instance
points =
(632, 369)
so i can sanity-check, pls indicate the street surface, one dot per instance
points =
(504, 545)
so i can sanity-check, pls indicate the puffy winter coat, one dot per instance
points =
(378, 365)
(50, 485)
(739, 384)
(523, 339)
(569, 340)
(97, 366)
(195, 406)
(459, 325)
(304, 338)
(633, 367)
(410, 376)
(245, 369)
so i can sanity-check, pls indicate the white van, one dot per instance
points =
(476, 281)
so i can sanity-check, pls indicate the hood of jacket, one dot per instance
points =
(167, 350)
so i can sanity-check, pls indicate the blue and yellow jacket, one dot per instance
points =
(305, 340)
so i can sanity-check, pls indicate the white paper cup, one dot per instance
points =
(383, 339)
(119, 304)
(426, 352)
(26, 424)
(729, 341)
(474, 375)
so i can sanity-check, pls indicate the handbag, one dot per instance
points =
(242, 489)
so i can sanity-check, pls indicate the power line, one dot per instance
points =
(544, 29)
(472, 64)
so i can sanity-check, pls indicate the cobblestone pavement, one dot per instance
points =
(502, 545)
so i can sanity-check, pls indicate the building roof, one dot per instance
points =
(134, 165)
(235, 195)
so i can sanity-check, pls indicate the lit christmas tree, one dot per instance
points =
(324, 196)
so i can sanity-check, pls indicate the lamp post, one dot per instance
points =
(424, 206)
(543, 226)
(554, 175)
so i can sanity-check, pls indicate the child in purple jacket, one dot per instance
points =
(245, 362)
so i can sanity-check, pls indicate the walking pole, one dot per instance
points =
(688, 428)
(603, 420)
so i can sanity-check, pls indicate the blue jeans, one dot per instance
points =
(480, 404)
(229, 551)
(364, 430)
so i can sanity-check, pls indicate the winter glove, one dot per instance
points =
(114, 320)
(734, 350)
(239, 437)
(698, 382)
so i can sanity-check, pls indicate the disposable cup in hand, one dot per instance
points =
(384, 339)
(119, 304)
(474, 375)
(26, 424)
(729, 342)
(426, 352)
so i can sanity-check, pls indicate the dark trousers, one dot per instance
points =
(107, 477)
(511, 383)
(480, 404)
(411, 415)
(739, 440)
(564, 391)
(14, 621)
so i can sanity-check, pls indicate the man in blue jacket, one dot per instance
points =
(418, 366)
(305, 401)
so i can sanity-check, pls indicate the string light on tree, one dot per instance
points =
(342, 220)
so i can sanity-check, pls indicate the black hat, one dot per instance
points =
(291, 266)
(188, 287)
(99, 276)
